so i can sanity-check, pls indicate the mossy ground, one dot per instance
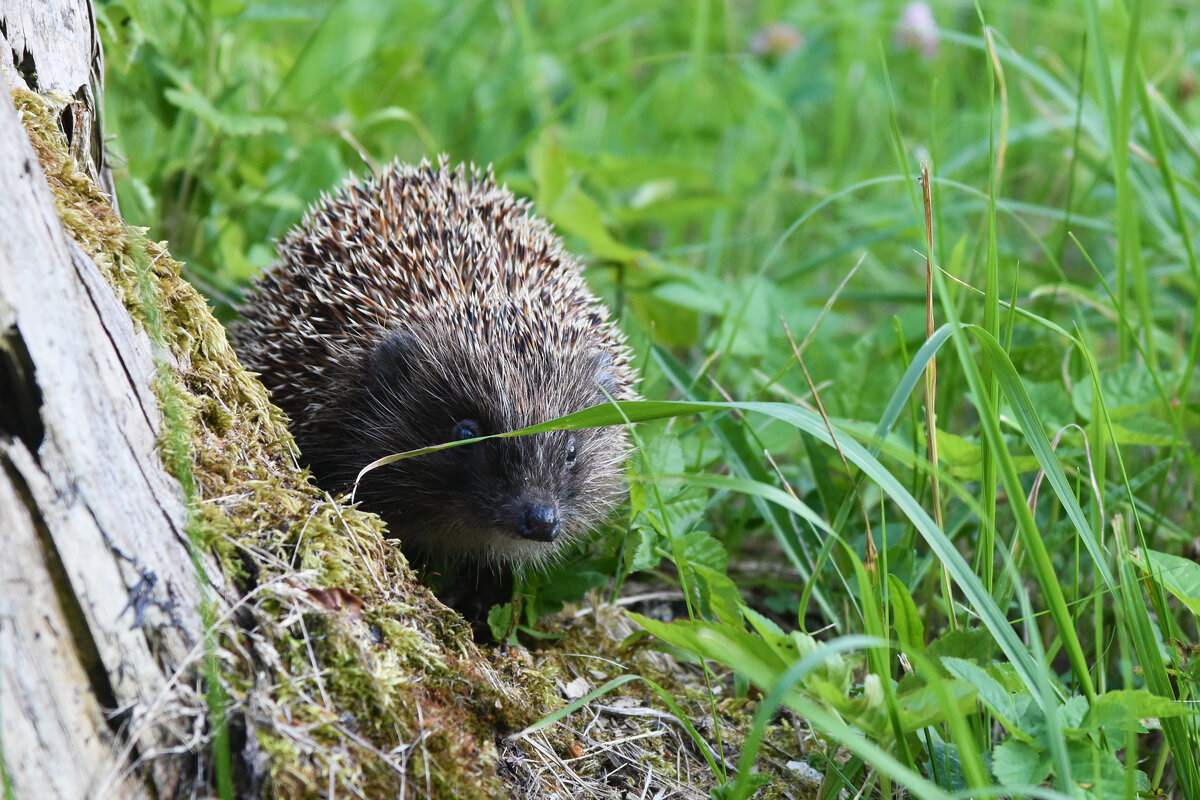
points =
(347, 672)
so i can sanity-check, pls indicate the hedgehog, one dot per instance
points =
(427, 304)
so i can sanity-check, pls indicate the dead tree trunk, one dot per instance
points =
(97, 594)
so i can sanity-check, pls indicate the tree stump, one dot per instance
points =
(98, 599)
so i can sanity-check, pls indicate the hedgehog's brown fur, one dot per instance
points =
(427, 304)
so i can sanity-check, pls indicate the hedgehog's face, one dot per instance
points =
(513, 500)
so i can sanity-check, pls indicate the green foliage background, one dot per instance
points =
(723, 168)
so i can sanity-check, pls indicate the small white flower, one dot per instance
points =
(917, 29)
(776, 40)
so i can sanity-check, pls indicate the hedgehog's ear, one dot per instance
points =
(391, 359)
(606, 374)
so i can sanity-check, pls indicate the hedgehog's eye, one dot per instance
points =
(465, 429)
(571, 453)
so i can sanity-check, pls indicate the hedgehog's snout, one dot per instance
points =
(538, 521)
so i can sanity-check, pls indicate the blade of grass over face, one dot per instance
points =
(810, 423)
(745, 461)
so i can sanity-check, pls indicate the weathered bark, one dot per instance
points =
(53, 46)
(97, 591)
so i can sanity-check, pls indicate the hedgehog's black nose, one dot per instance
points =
(538, 523)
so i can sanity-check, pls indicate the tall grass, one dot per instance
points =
(1017, 635)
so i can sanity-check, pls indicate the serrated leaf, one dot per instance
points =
(700, 548)
(1128, 390)
(662, 455)
(1072, 712)
(964, 457)
(1124, 710)
(641, 548)
(998, 699)
(793, 646)
(1052, 402)
(1099, 772)
(737, 649)
(1015, 763)
(922, 707)
(957, 452)
(718, 594)
(1144, 431)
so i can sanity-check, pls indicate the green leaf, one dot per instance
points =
(736, 649)
(967, 643)
(568, 586)
(1016, 763)
(693, 296)
(548, 164)
(642, 548)
(226, 8)
(719, 595)
(909, 626)
(1099, 772)
(1143, 432)
(701, 549)
(1128, 390)
(234, 125)
(1179, 576)
(1124, 710)
(499, 620)
(565, 203)
(761, 657)
(1073, 711)
(964, 458)
(960, 455)
(922, 707)
(946, 767)
(1052, 402)
(998, 699)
